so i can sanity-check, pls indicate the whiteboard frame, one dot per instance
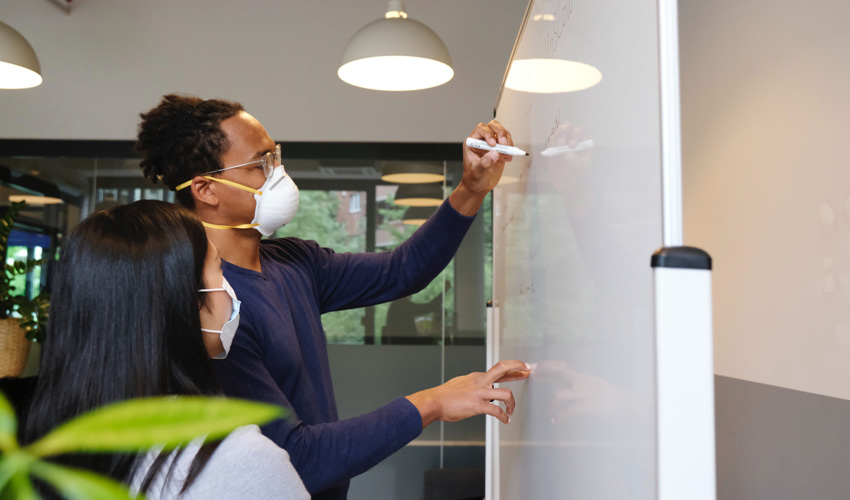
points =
(492, 487)
(671, 122)
(513, 54)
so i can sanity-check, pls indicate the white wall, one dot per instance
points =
(109, 60)
(765, 107)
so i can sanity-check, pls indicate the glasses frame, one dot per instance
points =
(269, 161)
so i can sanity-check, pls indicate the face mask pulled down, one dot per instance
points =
(228, 330)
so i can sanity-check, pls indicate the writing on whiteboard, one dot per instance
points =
(554, 130)
(526, 289)
(559, 22)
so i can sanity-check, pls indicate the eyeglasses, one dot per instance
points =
(269, 161)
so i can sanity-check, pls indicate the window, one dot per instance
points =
(324, 217)
(354, 203)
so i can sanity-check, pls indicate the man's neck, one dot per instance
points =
(240, 247)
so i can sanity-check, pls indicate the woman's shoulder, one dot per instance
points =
(248, 465)
(249, 440)
(245, 464)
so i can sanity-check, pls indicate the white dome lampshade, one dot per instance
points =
(395, 53)
(19, 68)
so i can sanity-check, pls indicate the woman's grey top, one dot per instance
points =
(245, 465)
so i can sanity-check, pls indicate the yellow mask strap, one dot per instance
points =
(219, 226)
(223, 181)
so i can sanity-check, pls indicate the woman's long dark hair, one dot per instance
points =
(124, 323)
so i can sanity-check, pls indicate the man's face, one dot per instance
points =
(248, 142)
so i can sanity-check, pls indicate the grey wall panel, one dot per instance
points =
(367, 377)
(776, 443)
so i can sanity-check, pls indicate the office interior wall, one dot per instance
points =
(766, 185)
(108, 61)
(766, 192)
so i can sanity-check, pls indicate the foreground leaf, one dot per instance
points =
(139, 424)
(8, 467)
(21, 486)
(78, 484)
(8, 425)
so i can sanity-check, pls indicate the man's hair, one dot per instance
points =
(181, 138)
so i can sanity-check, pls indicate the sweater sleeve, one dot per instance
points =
(324, 454)
(351, 280)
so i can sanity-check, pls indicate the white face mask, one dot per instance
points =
(277, 204)
(228, 330)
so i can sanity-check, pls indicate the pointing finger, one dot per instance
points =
(501, 368)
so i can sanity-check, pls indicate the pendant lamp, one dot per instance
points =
(419, 195)
(19, 68)
(35, 191)
(416, 216)
(412, 173)
(395, 53)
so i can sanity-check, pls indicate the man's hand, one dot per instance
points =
(481, 169)
(470, 395)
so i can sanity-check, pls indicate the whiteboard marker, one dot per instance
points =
(505, 150)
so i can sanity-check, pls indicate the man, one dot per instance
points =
(227, 169)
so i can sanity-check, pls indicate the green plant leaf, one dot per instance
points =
(139, 424)
(13, 466)
(7, 470)
(8, 426)
(21, 486)
(78, 484)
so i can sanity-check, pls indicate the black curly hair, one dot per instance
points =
(181, 137)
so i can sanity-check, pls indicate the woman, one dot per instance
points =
(139, 305)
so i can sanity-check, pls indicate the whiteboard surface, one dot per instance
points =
(573, 236)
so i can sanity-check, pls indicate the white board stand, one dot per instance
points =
(684, 374)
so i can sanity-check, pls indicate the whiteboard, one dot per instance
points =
(573, 234)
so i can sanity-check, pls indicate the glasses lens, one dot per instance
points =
(268, 164)
(270, 161)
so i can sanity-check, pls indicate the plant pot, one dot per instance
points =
(14, 348)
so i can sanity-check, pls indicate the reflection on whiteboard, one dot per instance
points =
(549, 76)
(575, 223)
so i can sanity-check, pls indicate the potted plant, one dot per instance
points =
(22, 319)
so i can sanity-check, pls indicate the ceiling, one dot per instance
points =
(107, 61)
(104, 62)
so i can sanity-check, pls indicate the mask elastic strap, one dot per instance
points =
(222, 289)
(220, 226)
(223, 181)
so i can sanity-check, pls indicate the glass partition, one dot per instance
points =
(377, 353)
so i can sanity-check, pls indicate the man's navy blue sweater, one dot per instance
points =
(279, 354)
